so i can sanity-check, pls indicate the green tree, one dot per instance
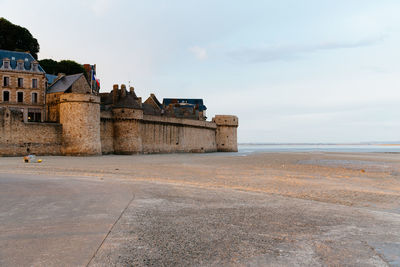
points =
(70, 67)
(50, 66)
(17, 38)
(67, 67)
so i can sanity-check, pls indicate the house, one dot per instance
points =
(64, 84)
(185, 108)
(22, 85)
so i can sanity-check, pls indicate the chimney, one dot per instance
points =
(115, 93)
(123, 91)
(131, 89)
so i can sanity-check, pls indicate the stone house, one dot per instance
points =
(64, 84)
(22, 85)
(185, 108)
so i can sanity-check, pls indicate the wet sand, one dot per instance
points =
(232, 209)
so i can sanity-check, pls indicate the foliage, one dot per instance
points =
(17, 38)
(67, 67)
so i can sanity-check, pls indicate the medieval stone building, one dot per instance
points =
(77, 120)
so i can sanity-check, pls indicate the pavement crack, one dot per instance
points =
(111, 228)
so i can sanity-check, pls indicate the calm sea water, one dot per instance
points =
(315, 148)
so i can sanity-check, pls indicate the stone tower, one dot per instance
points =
(127, 114)
(226, 135)
(80, 119)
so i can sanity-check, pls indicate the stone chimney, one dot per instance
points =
(123, 91)
(115, 93)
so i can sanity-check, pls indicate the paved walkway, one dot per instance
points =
(47, 221)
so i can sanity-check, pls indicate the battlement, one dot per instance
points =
(73, 97)
(226, 120)
(127, 114)
(226, 135)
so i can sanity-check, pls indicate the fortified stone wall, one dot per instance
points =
(226, 135)
(166, 135)
(127, 130)
(107, 132)
(80, 119)
(83, 131)
(20, 138)
(130, 133)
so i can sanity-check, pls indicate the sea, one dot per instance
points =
(351, 148)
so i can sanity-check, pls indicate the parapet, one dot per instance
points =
(127, 113)
(226, 120)
(79, 98)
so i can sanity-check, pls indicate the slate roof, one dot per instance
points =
(51, 78)
(129, 101)
(150, 110)
(64, 83)
(14, 56)
(196, 102)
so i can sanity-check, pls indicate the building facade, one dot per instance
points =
(22, 85)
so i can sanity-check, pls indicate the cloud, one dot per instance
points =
(199, 52)
(285, 52)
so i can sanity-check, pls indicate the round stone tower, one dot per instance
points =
(80, 119)
(127, 131)
(226, 136)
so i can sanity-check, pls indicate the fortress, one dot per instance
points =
(70, 118)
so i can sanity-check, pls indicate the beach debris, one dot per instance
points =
(32, 159)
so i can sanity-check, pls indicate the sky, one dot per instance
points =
(293, 71)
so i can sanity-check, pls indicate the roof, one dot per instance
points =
(14, 56)
(194, 101)
(150, 110)
(51, 78)
(64, 83)
(129, 101)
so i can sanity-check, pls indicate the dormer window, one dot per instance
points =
(20, 65)
(6, 63)
(35, 66)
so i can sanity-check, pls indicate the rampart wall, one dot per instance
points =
(154, 134)
(166, 135)
(84, 130)
(20, 138)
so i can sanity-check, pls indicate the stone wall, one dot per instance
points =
(20, 138)
(226, 135)
(107, 132)
(124, 132)
(167, 135)
(80, 119)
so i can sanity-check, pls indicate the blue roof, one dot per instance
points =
(196, 102)
(13, 56)
(50, 78)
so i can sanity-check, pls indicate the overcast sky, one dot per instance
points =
(292, 71)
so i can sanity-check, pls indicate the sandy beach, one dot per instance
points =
(312, 208)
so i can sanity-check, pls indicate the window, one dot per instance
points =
(20, 97)
(34, 115)
(34, 98)
(6, 96)
(20, 65)
(20, 82)
(34, 66)
(34, 83)
(6, 64)
(6, 81)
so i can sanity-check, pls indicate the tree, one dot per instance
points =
(67, 67)
(17, 38)
(50, 66)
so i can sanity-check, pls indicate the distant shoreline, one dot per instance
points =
(320, 144)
